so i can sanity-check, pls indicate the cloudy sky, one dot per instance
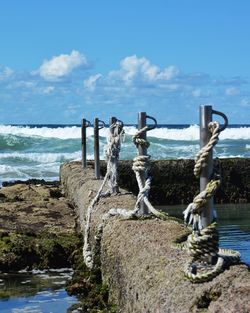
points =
(61, 60)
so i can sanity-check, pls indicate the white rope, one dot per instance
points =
(201, 156)
(192, 214)
(112, 150)
(202, 244)
(141, 166)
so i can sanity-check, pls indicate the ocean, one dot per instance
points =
(36, 151)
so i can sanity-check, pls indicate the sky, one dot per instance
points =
(63, 60)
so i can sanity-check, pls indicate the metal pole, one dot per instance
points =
(112, 120)
(84, 152)
(142, 116)
(207, 169)
(96, 148)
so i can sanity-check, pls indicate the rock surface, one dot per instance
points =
(37, 227)
(142, 269)
(35, 208)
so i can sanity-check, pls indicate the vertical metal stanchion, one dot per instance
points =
(207, 169)
(112, 120)
(96, 148)
(142, 116)
(85, 124)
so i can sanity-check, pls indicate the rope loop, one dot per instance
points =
(141, 167)
(206, 259)
(201, 156)
(138, 140)
(112, 150)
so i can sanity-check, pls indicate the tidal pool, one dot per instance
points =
(35, 292)
(233, 226)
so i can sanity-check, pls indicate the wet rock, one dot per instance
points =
(36, 228)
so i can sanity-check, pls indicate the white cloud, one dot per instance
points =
(72, 109)
(62, 65)
(231, 91)
(134, 68)
(23, 84)
(5, 73)
(245, 102)
(202, 92)
(90, 82)
(48, 90)
(197, 93)
(168, 73)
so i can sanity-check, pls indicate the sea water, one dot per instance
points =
(35, 292)
(37, 151)
(233, 225)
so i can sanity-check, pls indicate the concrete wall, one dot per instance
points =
(143, 270)
(174, 183)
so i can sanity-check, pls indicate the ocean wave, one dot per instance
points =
(11, 170)
(69, 132)
(41, 157)
(190, 133)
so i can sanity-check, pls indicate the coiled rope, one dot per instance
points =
(141, 166)
(206, 259)
(112, 150)
(202, 155)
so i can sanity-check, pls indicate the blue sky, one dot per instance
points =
(61, 60)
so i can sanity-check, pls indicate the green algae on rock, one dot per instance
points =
(42, 250)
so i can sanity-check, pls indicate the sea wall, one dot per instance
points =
(173, 181)
(140, 265)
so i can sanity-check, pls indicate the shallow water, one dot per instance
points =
(35, 292)
(233, 225)
(43, 291)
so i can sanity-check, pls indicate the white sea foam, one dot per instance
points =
(61, 270)
(73, 132)
(40, 157)
(11, 170)
(189, 133)
(69, 132)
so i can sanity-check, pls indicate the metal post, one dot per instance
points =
(207, 169)
(96, 148)
(142, 116)
(112, 120)
(85, 124)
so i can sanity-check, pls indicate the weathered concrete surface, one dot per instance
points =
(174, 182)
(139, 264)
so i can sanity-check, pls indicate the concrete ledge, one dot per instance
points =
(142, 269)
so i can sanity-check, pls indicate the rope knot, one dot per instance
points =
(141, 163)
(201, 156)
(138, 140)
(203, 244)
